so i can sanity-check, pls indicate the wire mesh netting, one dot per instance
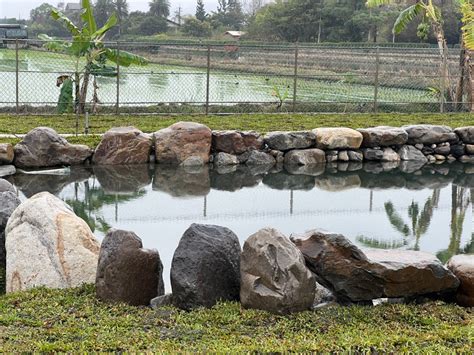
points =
(237, 78)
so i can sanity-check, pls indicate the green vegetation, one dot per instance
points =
(74, 320)
(65, 124)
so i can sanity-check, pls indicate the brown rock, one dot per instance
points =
(6, 153)
(126, 272)
(183, 141)
(43, 147)
(236, 142)
(383, 136)
(337, 138)
(123, 145)
(357, 276)
(463, 267)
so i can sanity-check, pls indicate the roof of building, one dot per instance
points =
(235, 33)
(73, 6)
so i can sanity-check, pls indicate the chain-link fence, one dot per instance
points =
(237, 78)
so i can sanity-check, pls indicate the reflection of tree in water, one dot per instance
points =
(419, 223)
(88, 207)
(459, 204)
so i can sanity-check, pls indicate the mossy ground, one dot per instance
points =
(12, 124)
(74, 320)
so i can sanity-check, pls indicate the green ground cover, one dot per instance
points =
(12, 124)
(74, 320)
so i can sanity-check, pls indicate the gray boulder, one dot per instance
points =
(205, 267)
(466, 134)
(43, 147)
(429, 134)
(383, 136)
(6, 170)
(260, 158)
(274, 275)
(409, 152)
(236, 142)
(355, 155)
(372, 154)
(390, 155)
(8, 203)
(48, 245)
(6, 186)
(356, 275)
(305, 157)
(126, 272)
(290, 140)
(224, 159)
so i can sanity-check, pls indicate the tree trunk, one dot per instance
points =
(443, 49)
(461, 82)
(77, 93)
(85, 84)
(470, 79)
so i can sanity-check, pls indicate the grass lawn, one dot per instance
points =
(13, 124)
(74, 320)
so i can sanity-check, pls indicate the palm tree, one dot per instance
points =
(431, 18)
(160, 8)
(467, 11)
(417, 227)
(121, 9)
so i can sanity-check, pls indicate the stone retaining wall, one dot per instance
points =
(194, 144)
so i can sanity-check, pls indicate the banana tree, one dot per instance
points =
(467, 64)
(90, 51)
(431, 18)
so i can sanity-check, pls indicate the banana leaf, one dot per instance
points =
(60, 17)
(103, 70)
(111, 22)
(124, 58)
(406, 16)
(65, 102)
(88, 16)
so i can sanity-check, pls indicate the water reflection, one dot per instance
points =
(374, 205)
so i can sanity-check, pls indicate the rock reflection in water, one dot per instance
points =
(182, 181)
(378, 205)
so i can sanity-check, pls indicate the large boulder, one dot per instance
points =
(186, 143)
(466, 134)
(8, 203)
(290, 140)
(225, 159)
(409, 152)
(429, 134)
(205, 267)
(337, 138)
(305, 157)
(48, 245)
(463, 267)
(43, 147)
(123, 145)
(236, 142)
(260, 158)
(6, 153)
(126, 272)
(383, 136)
(274, 275)
(355, 275)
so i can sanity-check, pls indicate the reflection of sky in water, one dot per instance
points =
(160, 218)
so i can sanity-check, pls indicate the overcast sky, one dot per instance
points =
(22, 8)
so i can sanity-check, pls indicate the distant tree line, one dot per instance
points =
(280, 20)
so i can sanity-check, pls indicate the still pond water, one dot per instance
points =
(373, 205)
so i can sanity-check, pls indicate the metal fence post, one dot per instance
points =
(442, 90)
(376, 79)
(17, 82)
(117, 99)
(208, 74)
(295, 78)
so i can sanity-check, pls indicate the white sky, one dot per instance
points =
(22, 8)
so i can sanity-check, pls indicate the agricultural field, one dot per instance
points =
(177, 76)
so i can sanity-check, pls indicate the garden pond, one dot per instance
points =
(374, 205)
